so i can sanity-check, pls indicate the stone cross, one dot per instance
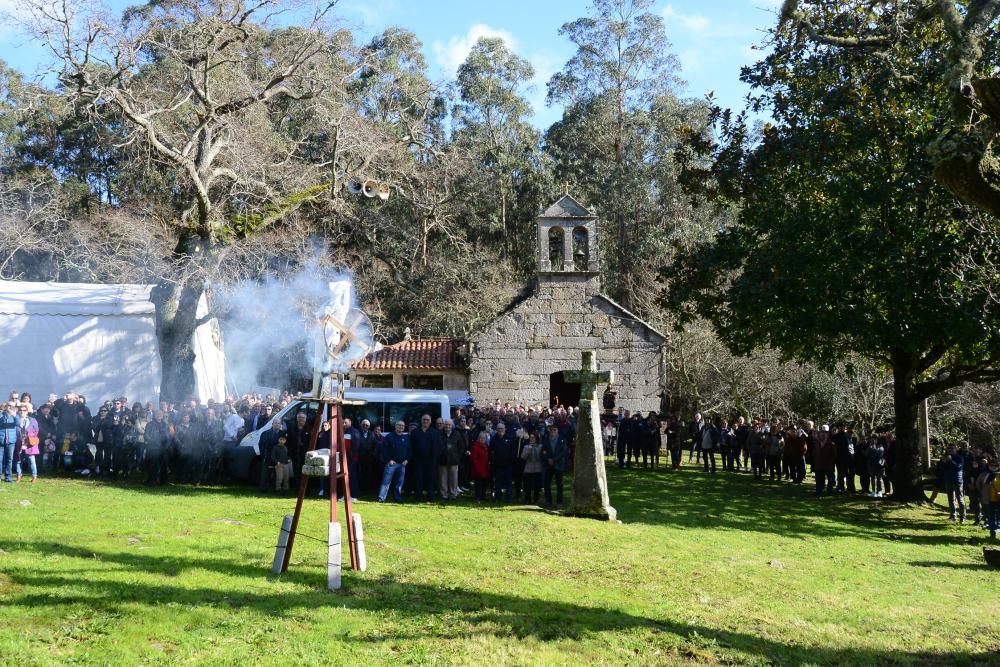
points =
(588, 377)
(590, 479)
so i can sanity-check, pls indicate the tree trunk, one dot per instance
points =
(907, 482)
(176, 321)
(503, 220)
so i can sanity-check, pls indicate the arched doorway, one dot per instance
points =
(567, 392)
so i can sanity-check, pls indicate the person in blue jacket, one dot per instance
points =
(8, 439)
(396, 454)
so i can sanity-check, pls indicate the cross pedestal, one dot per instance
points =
(590, 479)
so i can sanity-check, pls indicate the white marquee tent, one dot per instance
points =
(95, 340)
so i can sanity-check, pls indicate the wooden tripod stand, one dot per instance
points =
(338, 471)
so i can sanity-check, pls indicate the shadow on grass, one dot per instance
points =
(690, 498)
(955, 566)
(135, 483)
(685, 498)
(412, 604)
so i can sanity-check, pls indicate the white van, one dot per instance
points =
(383, 406)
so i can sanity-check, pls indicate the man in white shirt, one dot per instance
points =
(231, 427)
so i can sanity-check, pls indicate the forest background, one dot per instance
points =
(197, 145)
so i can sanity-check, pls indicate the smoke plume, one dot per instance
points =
(280, 313)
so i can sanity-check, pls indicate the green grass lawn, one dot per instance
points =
(703, 570)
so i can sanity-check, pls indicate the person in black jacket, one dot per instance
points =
(652, 445)
(367, 446)
(184, 443)
(121, 424)
(889, 443)
(555, 453)
(503, 448)
(448, 456)
(279, 461)
(623, 445)
(46, 429)
(694, 434)
(268, 440)
(102, 430)
(845, 459)
(861, 464)
(299, 442)
(423, 445)
(157, 437)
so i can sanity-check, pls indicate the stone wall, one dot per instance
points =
(451, 379)
(514, 356)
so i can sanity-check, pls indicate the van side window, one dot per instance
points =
(412, 412)
(373, 412)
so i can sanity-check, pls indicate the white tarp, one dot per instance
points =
(209, 360)
(96, 340)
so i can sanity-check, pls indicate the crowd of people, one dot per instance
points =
(840, 460)
(499, 454)
(504, 453)
(184, 443)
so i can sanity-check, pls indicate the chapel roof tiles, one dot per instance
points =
(423, 354)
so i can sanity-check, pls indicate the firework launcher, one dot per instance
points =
(343, 335)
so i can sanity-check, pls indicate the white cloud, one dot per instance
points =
(692, 22)
(451, 55)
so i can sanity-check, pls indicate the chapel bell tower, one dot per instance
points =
(567, 245)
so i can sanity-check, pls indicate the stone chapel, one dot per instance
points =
(523, 354)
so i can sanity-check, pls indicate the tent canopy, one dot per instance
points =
(96, 340)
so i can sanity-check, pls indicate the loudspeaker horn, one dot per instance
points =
(354, 186)
(370, 188)
(383, 190)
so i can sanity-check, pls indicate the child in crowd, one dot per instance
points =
(280, 462)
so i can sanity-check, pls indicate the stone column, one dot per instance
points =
(543, 249)
(590, 479)
(592, 262)
(567, 249)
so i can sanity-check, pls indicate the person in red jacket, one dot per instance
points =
(479, 462)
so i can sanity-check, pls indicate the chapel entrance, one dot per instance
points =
(567, 392)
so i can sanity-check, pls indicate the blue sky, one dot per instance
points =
(712, 38)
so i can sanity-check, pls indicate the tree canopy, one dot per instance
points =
(844, 242)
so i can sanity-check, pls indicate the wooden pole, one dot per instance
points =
(352, 538)
(338, 454)
(335, 436)
(303, 483)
